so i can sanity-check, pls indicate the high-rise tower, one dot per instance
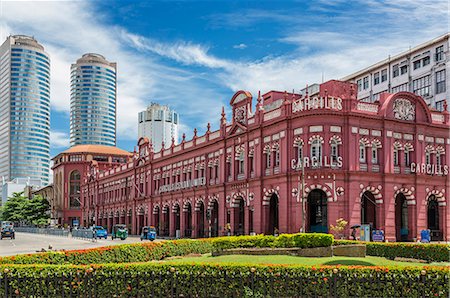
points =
(158, 123)
(93, 101)
(24, 109)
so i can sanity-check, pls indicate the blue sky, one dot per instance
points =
(195, 55)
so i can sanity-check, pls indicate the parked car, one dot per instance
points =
(8, 231)
(101, 232)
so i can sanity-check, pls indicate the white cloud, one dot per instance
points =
(240, 46)
(69, 29)
(59, 139)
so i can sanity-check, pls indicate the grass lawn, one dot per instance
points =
(281, 259)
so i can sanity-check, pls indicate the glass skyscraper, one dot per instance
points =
(24, 109)
(93, 101)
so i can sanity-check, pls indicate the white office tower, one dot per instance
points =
(24, 109)
(158, 123)
(422, 70)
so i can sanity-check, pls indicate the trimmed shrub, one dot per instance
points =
(283, 241)
(430, 252)
(136, 252)
(193, 280)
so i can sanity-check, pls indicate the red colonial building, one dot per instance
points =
(68, 169)
(383, 164)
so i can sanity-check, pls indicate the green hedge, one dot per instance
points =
(126, 253)
(189, 280)
(282, 241)
(430, 252)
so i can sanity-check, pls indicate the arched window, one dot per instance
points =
(374, 154)
(300, 152)
(316, 150)
(276, 150)
(268, 161)
(429, 150)
(362, 152)
(396, 153)
(74, 190)
(334, 150)
(407, 153)
(241, 162)
(395, 156)
(440, 151)
(428, 157)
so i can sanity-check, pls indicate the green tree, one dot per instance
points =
(15, 207)
(19, 208)
(37, 212)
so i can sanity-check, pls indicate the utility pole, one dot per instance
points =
(302, 168)
(303, 198)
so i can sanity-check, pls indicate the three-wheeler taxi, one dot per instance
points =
(148, 233)
(119, 231)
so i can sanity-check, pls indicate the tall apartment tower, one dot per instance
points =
(158, 123)
(423, 70)
(93, 91)
(24, 109)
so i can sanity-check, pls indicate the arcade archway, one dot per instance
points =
(200, 219)
(165, 225)
(273, 215)
(188, 219)
(317, 211)
(176, 220)
(214, 218)
(433, 219)
(239, 217)
(369, 210)
(401, 218)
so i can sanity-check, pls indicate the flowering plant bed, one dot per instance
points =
(430, 252)
(225, 280)
(136, 252)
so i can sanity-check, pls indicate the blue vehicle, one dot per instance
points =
(148, 233)
(101, 232)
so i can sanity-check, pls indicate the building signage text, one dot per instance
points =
(182, 185)
(315, 162)
(314, 103)
(429, 169)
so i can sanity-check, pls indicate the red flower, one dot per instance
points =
(325, 279)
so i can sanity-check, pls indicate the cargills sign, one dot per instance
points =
(314, 162)
(314, 103)
(429, 169)
(182, 185)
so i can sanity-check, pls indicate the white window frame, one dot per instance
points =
(395, 154)
(300, 152)
(427, 158)
(268, 161)
(334, 150)
(407, 156)
(277, 157)
(316, 150)
(362, 153)
(374, 155)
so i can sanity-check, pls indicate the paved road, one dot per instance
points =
(30, 243)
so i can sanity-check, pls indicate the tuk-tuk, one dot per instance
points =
(119, 231)
(148, 233)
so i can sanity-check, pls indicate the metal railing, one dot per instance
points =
(83, 233)
(42, 231)
(221, 283)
